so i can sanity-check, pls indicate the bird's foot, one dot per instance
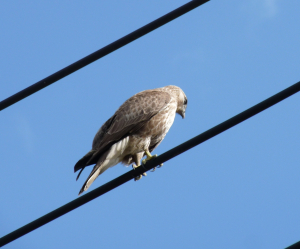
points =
(149, 157)
(159, 166)
(140, 176)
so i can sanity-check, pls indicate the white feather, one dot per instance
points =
(114, 157)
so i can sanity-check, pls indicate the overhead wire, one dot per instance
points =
(151, 164)
(101, 53)
(294, 246)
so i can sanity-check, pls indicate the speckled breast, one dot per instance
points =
(158, 126)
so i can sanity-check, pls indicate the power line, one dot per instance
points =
(151, 164)
(294, 246)
(101, 53)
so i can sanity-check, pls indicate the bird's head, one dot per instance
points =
(180, 97)
(181, 104)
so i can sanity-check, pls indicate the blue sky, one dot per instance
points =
(238, 190)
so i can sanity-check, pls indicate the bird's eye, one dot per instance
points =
(185, 102)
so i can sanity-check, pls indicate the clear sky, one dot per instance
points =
(240, 189)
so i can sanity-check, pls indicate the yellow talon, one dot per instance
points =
(149, 156)
(140, 176)
(137, 178)
(159, 166)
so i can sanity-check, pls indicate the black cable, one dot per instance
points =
(151, 164)
(294, 246)
(101, 53)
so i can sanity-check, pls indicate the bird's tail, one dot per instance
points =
(98, 169)
(83, 162)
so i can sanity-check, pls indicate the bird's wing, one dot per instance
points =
(128, 119)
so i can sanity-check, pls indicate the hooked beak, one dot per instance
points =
(182, 114)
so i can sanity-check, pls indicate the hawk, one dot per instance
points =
(135, 130)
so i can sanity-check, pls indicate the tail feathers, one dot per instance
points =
(98, 169)
(83, 161)
(92, 177)
(79, 173)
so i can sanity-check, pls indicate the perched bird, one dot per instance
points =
(135, 130)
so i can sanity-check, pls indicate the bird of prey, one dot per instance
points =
(135, 130)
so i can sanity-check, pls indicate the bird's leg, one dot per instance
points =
(137, 159)
(134, 166)
(149, 157)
